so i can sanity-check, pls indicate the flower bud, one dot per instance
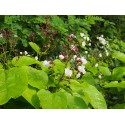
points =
(21, 53)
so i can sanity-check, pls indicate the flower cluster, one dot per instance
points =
(71, 37)
(74, 49)
(104, 46)
(27, 54)
(85, 39)
(77, 62)
(80, 62)
(102, 40)
(81, 67)
(80, 59)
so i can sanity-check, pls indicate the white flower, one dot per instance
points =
(68, 72)
(83, 44)
(61, 57)
(25, 52)
(21, 53)
(1, 35)
(73, 36)
(100, 55)
(103, 42)
(78, 59)
(89, 44)
(100, 39)
(72, 47)
(87, 38)
(86, 52)
(82, 69)
(28, 55)
(78, 75)
(74, 57)
(96, 65)
(102, 36)
(107, 53)
(36, 57)
(99, 76)
(82, 34)
(83, 60)
(46, 63)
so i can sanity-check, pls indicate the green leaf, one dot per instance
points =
(37, 78)
(88, 78)
(8, 19)
(50, 100)
(91, 93)
(26, 31)
(119, 55)
(24, 42)
(95, 98)
(104, 70)
(115, 84)
(59, 24)
(91, 68)
(75, 85)
(23, 61)
(12, 84)
(118, 73)
(58, 66)
(119, 106)
(75, 102)
(30, 94)
(1, 66)
(3, 89)
(35, 47)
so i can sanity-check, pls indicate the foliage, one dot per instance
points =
(62, 62)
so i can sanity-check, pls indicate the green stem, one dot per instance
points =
(63, 73)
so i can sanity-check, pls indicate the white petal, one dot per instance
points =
(83, 44)
(78, 75)
(82, 34)
(68, 72)
(36, 57)
(61, 57)
(96, 65)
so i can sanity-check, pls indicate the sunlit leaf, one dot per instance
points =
(50, 100)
